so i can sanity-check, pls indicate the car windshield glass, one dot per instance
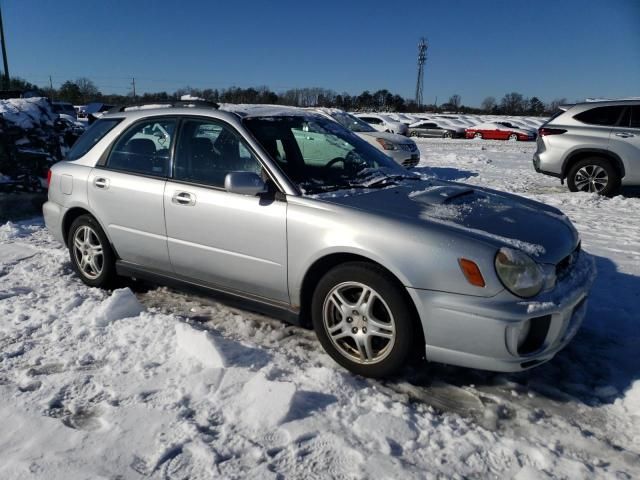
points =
(320, 155)
(352, 123)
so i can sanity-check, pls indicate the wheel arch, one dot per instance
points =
(581, 154)
(325, 263)
(75, 212)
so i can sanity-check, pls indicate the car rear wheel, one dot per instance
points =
(362, 319)
(91, 255)
(513, 137)
(595, 175)
(447, 134)
(478, 135)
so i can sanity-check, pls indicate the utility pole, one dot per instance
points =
(422, 57)
(4, 55)
(133, 83)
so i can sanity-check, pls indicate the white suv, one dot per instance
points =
(594, 145)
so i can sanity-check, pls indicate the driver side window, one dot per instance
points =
(207, 151)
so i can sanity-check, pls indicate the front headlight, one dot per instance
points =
(519, 273)
(386, 144)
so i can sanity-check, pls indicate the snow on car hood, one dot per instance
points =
(494, 217)
(392, 137)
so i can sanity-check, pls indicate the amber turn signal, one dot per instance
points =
(472, 272)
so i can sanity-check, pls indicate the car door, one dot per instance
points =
(126, 192)
(433, 130)
(226, 240)
(624, 140)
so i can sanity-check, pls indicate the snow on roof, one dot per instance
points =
(250, 110)
(27, 112)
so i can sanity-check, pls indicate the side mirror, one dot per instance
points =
(244, 183)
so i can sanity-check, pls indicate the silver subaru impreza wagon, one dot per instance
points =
(294, 214)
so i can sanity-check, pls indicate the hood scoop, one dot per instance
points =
(441, 195)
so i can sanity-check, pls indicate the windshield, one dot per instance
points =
(352, 123)
(320, 155)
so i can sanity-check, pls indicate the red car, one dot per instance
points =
(499, 131)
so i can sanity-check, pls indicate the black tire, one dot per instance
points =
(513, 137)
(396, 352)
(413, 134)
(478, 135)
(447, 134)
(107, 273)
(575, 177)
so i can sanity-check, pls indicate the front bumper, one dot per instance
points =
(481, 332)
(405, 158)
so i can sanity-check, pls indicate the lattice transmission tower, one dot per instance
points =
(422, 57)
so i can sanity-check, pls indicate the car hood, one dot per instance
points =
(498, 218)
(392, 137)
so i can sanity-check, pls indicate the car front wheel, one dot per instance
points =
(513, 137)
(91, 254)
(478, 135)
(362, 319)
(595, 175)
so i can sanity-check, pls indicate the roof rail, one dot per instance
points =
(174, 104)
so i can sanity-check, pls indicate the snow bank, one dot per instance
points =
(631, 400)
(200, 345)
(27, 112)
(121, 304)
(264, 404)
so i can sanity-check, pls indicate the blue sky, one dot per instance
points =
(550, 49)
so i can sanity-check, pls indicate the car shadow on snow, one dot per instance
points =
(445, 173)
(630, 192)
(597, 367)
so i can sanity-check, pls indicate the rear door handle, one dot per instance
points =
(100, 182)
(625, 134)
(184, 198)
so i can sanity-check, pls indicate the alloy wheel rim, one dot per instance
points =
(513, 136)
(88, 252)
(359, 323)
(591, 178)
(478, 135)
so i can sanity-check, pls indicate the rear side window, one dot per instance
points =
(91, 136)
(601, 116)
(144, 148)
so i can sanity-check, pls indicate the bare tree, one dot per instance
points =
(455, 100)
(488, 104)
(553, 105)
(88, 90)
(513, 103)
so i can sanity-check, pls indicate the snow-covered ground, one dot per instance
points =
(160, 384)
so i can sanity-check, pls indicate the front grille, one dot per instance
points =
(408, 147)
(564, 266)
(410, 162)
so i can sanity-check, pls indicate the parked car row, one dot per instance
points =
(443, 126)
(294, 213)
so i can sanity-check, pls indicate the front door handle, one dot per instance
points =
(100, 182)
(184, 198)
(625, 134)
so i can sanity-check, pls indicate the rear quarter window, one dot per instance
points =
(608, 116)
(91, 136)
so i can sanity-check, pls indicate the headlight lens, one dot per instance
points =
(519, 273)
(386, 144)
